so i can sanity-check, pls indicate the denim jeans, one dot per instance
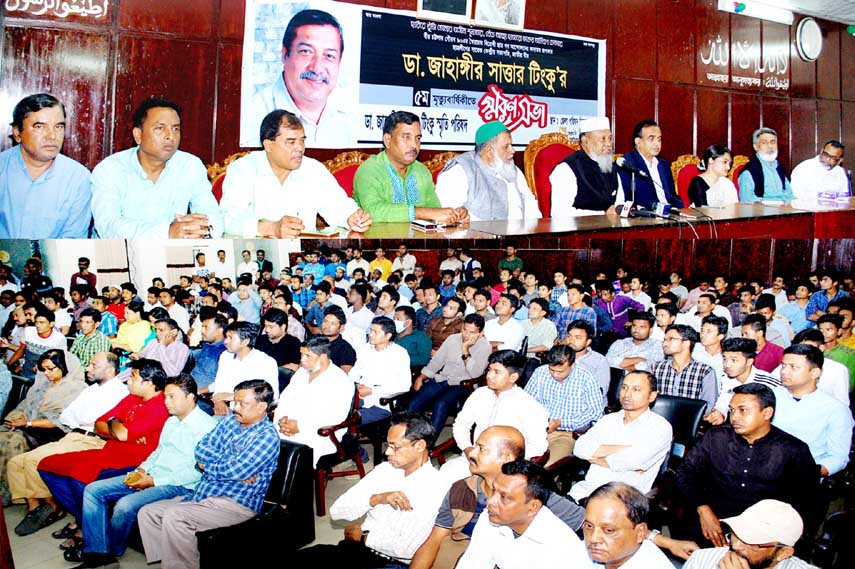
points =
(69, 492)
(372, 414)
(438, 396)
(105, 533)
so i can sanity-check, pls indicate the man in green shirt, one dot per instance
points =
(511, 262)
(90, 341)
(833, 349)
(394, 186)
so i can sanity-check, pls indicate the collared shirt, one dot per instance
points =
(126, 204)
(710, 558)
(448, 365)
(321, 402)
(722, 404)
(821, 421)
(514, 407)
(648, 441)
(423, 317)
(84, 347)
(797, 315)
(541, 334)
(93, 402)
(109, 324)
(373, 190)
(407, 264)
(576, 400)
(649, 349)
(418, 346)
(564, 316)
(304, 298)
(715, 361)
(47, 400)
(599, 367)
(252, 192)
(173, 462)
(647, 556)
(546, 543)
(232, 455)
(391, 532)
(385, 266)
(317, 270)
(131, 334)
(653, 169)
(696, 381)
(56, 205)
(772, 189)
(438, 331)
(354, 264)
(452, 188)
(726, 473)
(333, 130)
(361, 319)
(172, 357)
(180, 315)
(812, 181)
(820, 301)
(845, 356)
(249, 268)
(207, 361)
(618, 310)
(510, 334)
(386, 372)
(255, 365)
(249, 310)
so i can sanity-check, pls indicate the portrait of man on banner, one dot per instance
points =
(445, 10)
(500, 13)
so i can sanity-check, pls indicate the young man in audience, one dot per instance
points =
(431, 309)
(768, 354)
(639, 352)
(795, 311)
(739, 356)
(358, 314)
(829, 290)
(618, 307)
(571, 396)
(451, 322)
(771, 464)
(778, 329)
(830, 325)
(415, 341)
(505, 332)
(708, 349)
(241, 362)
(387, 301)
(277, 343)
(706, 306)
(90, 340)
(834, 378)
(580, 335)
(177, 312)
(342, 350)
(237, 460)
(540, 331)
(680, 374)
(481, 305)
(208, 355)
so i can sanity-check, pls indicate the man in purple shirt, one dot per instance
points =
(618, 306)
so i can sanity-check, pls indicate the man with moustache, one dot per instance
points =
(278, 192)
(764, 178)
(822, 176)
(659, 184)
(486, 181)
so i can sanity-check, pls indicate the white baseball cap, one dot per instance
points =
(767, 521)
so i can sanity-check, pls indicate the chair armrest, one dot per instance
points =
(351, 421)
(474, 383)
(397, 400)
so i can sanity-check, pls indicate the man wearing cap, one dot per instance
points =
(762, 536)
(486, 181)
(586, 183)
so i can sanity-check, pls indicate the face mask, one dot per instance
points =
(399, 326)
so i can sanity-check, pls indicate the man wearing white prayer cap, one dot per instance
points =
(586, 182)
(764, 535)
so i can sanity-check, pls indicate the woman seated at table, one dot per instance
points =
(35, 421)
(135, 330)
(712, 187)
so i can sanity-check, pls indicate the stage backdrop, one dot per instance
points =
(454, 77)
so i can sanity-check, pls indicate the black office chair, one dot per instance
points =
(613, 395)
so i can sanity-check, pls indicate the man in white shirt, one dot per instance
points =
(777, 290)
(319, 395)
(399, 499)
(358, 315)
(452, 263)
(247, 266)
(628, 446)
(241, 362)
(541, 333)
(639, 352)
(357, 262)
(821, 177)
(278, 192)
(404, 261)
(706, 305)
(519, 531)
(175, 310)
(739, 355)
(708, 350)
(486, 181)
(637, 294)
(616, 532)
(505, 332)
(382, 369)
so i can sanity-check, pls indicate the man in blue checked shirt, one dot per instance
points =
(237, 460)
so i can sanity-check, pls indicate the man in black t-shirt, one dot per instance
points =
(342, 353)
(279, 345)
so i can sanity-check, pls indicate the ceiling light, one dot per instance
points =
(756, 10)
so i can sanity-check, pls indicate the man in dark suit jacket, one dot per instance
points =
(263, 264)
(647, 138)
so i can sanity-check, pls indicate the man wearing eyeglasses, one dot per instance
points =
(822, 177)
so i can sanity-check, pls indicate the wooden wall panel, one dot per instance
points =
(68, 64)
(552, 20)
(637, 21)
(189, 81)
(776, 56)
(634, 100)
(744, 120)
(676, 107)
(804, 129)
(228, 103)
(828, 64)
(745, 47)
(792, 258)
(802, 73)
(848, 119)
(232, 14)
(828, 121)
(187, 18)
(751, 259)
(847, 77)
(591, 18)
(712, 33)
(776, 115)
(676, 45)
(712, 118)
(710, 257)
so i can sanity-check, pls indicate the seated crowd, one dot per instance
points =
(168, 412)
(155, 190)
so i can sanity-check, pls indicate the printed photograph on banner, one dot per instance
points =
(445, 10)
(506, 14)
(302, 57)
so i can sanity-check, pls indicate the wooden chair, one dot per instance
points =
(438, 162)
(346, 449)
(217, 173)
(739, 162)
(683, 170)
(441, 449)
(344, 166)
(540, 158)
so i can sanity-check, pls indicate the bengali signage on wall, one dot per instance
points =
(453, 76)
(58, 8)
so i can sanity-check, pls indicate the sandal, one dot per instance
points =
(55, 516)
(70, 530)
(72, 542)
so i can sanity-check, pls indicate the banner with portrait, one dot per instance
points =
(455, 77)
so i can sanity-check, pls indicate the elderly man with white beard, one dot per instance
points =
(763, 178)
(586, 182)
(486, 181)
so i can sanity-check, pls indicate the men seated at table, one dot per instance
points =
(110, 505)
(154, 190)
(764, 178)
(278, 192)
(486, 181)
(586, 182)
(399, 499)
(822, 177)
(319, 395)
(43, 194)
(627, 446)
(658, 185)
(237, 460)
(519, 530)
(742, 462)
(394, 186)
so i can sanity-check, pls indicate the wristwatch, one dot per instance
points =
(652, 535)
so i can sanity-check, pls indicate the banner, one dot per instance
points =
(455, 77)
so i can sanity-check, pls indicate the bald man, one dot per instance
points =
(467, 498)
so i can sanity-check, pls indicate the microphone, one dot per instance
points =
(628, 209)
(624, 165)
